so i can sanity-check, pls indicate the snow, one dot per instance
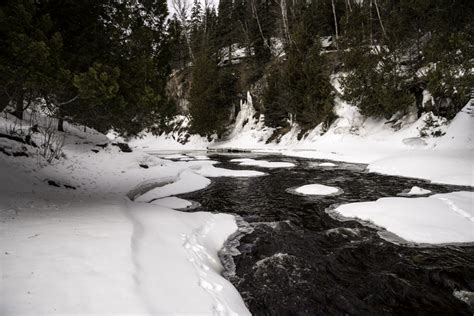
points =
(326, 41)
(327, 164)
(110, 257)
(460, 133)
(91, 250)
(448, 167)
(465, 296)
(418, 191)
(397, 148)
(317, 189)
(177, 139)
(187, 181)
(263, 163)
(440, 218)
(172, 202)
(175, 156)
(211, 171)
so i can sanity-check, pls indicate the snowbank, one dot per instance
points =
(440, 218)
(404, 147)
(75, 256)
(177, 139)
(72, 242)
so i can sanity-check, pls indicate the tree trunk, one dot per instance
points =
(335, 23)
(254, 11)
(284, 18)
(60, 125)
(4, 100)
(19, 105)
(380, 19)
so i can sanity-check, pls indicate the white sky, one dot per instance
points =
(170, 6)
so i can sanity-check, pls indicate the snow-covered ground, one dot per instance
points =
(89, 249)
(177, 139)
(440, 218)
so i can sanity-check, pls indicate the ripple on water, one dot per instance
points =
(290, 257)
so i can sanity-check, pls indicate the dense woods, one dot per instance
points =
(386, 54)
(105, 64)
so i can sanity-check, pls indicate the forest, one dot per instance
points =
(108, 64)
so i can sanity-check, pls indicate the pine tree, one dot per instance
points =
(301, 88)
(211, 96)
(30, 66)
(126, 36)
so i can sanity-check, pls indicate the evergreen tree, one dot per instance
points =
(301, 89)
(226, 26)
(211, 96)
(30, 66)
(128, 36)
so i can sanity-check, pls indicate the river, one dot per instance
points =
(295, 259)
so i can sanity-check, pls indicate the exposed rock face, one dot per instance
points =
(178, 87)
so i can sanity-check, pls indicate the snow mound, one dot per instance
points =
(460, 132)
(317, 189)
(327, 164)
(263, 163)
(418, 191)
(437, 219)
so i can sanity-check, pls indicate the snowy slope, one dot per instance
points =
(450, 161)
(88, 249)
(405, 147)
(396, 151)
(177, 139)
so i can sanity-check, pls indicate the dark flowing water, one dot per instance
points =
(294, 259)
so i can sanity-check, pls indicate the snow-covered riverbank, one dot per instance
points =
(406, 146)
(427, 148)
(72, 242)
(96, 232)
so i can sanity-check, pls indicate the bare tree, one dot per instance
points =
(348, 5)
(284, 16)
(380, 19)
(255, 14)
(181, 7)
(335, 23)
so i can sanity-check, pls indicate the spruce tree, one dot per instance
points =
(30, 66)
